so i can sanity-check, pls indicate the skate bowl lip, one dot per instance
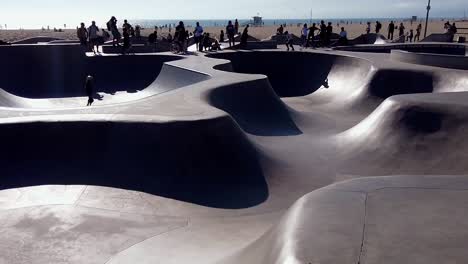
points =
(458, 62)
(168, 67)
(388, 47)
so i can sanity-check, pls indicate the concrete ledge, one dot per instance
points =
(438, 60)
(440, 48)
(138, 48)
(268, 44)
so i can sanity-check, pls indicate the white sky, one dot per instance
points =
(37, 13)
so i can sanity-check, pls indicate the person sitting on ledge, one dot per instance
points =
(216, 46)
(280, 30)
(244, 37)
(343, 40)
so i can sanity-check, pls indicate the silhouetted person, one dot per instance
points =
(93, 37)
(453, 30)
(401, 32)
(82, 34)
(216, 46)
(244, 37)
(138, 32)
(368, 28)
(126, 41)
(89, 88)
(289, 40)
(221, 36)
(304, 34)
(391, 30)
(311, 37)
(112, 27)
(230, 31)
(329, 33)
(447, 27)
(180, 36)
(343, 37)
(126, 26)
(418, 33)
(152, 38)
(410, 35)
(198, 34)
(207, 42)
(280, 30)
(236, 26)
(323, 33)
(378, 27)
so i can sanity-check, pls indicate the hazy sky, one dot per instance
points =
(34, 13)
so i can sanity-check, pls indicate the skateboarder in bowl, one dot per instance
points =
(89, 87)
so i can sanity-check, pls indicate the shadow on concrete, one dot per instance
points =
(256, 108)
(291, 74)
(386, 83)
(56, 71)
(209, 162)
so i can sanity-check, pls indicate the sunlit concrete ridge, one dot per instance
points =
(247, 156)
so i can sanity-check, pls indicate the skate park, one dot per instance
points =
(238, 156)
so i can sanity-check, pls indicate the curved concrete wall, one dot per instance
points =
(437, 48)
(438, 60)
(295, 73)
(51, 71)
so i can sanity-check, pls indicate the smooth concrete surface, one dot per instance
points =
(418, 47)
(437, 60)
(314, 156)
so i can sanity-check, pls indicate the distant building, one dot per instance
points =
(414, 18)
(257, 21)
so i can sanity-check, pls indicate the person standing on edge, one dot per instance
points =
(138, 32)
(82, 34)
(93, 37)
(329, 33)
(304, 34)
(244, 37)
(418, 33)
(368, 28)
(289, 40)
(89, 88)
(410, 35)
(230, 31)
(311, 37)
(236, 26)
(378, 27)
(127, 26)
(198, 33)
(112, 27)
(126, 41)
(180, 36)
(323, 33)
(453, 30)
(401, 34)
(221, 36)
(391, 29)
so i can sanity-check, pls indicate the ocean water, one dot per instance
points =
(148, 23)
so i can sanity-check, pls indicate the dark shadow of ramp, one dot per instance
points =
(57, 71)
(208, 162)
(291, 74)
(388, 82)
(256, 108)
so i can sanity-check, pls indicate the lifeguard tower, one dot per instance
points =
(257, 21)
